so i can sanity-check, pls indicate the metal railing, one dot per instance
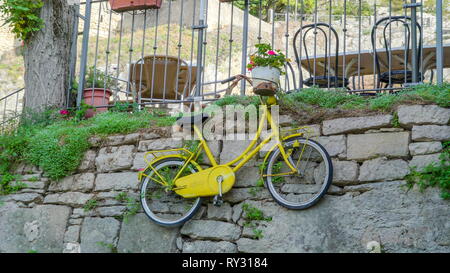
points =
(11, 109)
(181, 52)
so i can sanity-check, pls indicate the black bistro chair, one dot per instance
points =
(396, 76)
(328, 78)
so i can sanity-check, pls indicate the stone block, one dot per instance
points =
(209, 247)
(367, 146)
(431, 133)
(116, 181)
(409, 115)
(151, 237)
(381, 169)
(115, 158)
(79, 182)
(421, 148)
(355, 124)
(213, 230)
(99, 235)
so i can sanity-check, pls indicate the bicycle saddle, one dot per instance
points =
(195, 119)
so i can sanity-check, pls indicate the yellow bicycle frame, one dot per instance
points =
(237, 163)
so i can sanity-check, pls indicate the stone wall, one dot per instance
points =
(367, 202)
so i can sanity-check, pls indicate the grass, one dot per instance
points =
(313, 105)
(309, 98)
(333, 99)
(57, 144)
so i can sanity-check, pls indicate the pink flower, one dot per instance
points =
(271, 52)
(64, 112)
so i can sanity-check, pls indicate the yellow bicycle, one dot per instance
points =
(297, 171)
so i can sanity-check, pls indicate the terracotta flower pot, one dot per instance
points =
(127, 5)
(96, 97)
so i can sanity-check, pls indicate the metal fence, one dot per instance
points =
(181, 52)
(11, 106)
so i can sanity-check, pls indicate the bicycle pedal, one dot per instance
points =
(218, 201)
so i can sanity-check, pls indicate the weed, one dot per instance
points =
(395, 121)
(9, 184)
(434, 175)
(257, 234)
(254, 214)
(253, 191)
(110, 246)
(90, 205)
(33, 179)
(132, 205)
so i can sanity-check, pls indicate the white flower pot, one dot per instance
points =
(265, 73)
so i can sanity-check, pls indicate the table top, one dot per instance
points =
(365, 60)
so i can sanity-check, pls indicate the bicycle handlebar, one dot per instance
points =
(228, 80)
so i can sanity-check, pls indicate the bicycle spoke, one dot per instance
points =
(160, 202)
(302, 188)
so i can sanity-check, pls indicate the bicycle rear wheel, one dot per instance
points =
(315, 173)
(164, 206)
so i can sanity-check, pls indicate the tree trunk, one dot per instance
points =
(47, 57)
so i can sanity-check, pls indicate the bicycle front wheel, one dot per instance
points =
(162, 205)
(304, 188)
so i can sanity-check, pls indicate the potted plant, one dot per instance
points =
(127, 5)
(266, 64)
(97, 91)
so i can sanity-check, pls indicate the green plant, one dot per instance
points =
(395, 121)
(254, 214)
(257, 234)
(434, 175)
(132, 205)
(80, 113)
(110, 246)
(121, 197)
(23, 17)
(96, 78)
(266, 56)
(238, 100)
(253, 191)
(124, 107)
(90, 205)
(33, 179)
(7, 186)
(57, 144)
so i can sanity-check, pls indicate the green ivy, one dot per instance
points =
(23, 17)
(58, 144)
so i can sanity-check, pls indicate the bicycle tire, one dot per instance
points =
(144, 184)
(327, 181)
